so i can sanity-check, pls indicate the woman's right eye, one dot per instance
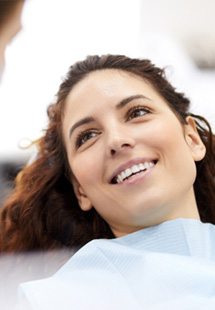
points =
(84, 136)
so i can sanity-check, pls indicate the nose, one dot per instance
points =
(119, 143)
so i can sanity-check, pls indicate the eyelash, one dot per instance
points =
(135, 109)
(82, 135)
(80, 140)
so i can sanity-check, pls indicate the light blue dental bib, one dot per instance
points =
(167, 266)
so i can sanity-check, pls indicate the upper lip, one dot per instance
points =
(129, 164)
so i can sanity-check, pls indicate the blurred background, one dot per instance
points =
(176, 34)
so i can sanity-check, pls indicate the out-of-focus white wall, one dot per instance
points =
(180, 35)
(192, 22)
(55, 34)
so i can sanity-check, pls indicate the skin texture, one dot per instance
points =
(141, 129)
(9, 30)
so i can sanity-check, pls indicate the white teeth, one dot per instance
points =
(134, 169)
(151, 164)
(123, 175)
(147, 165)
(141, 166)
(128, 172)
(119, 179)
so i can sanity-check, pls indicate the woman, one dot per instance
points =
(122, 158)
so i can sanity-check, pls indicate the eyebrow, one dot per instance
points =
(82, 122)
(125, 101)
(120, 105)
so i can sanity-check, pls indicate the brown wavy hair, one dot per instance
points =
(43, 213)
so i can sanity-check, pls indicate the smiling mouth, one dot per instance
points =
(133, 170)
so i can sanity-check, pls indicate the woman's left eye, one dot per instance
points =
(137, 112)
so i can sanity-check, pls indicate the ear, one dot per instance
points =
(193, 140)
(83, 200)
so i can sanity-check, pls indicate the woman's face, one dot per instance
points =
(131, 158)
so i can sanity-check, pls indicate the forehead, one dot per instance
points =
(108, 84)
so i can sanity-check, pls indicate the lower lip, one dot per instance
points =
(137, 178)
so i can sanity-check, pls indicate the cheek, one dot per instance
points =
(169, 132)
(86, 169)
(177, 154)
(168, 138)
(165, 135)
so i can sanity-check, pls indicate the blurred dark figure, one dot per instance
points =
(8, 171)
(10, 25)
